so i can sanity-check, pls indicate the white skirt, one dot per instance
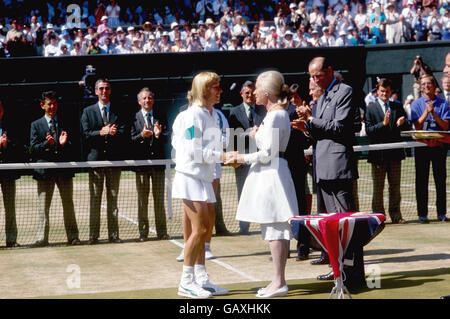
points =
(187, 187)
(276, 231)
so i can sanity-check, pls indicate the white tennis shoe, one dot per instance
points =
(215, 290)
(180, 258)
(190, 289)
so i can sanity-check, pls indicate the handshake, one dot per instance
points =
(233, 159)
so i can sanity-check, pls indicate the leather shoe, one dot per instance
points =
(12, 244)
(115, 240)
(277, 293)
(164, 237)
(74, 242)
(92, 241)
(329, 276)
(321, 261)
(143, 239)
(301, 257)
(399, 221)
(40, 243)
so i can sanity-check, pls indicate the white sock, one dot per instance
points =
(200, 271)
(188, 274)
(207, 246)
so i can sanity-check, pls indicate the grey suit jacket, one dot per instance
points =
(332, 130)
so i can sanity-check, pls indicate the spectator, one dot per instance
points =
(327, 39)
(122, 47)
(211, 36)
(407, 107)
(108, 47)
(164, 44)
(52, 48)
(445, 23)
(113, 12)
(247, 44)
(434, 25)
(103, 30)
(420, 26)
(342, 41)
(355, 39)
(234, 44)
(393, 25)
(76, 49)
(93, 48)
(193, 42)
(14, 33)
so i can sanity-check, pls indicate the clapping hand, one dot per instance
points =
(50, 139)
(157, 129)
(146, 132)
(298, 124)
(3, 140)
(303, 112)
(113, 129)
(387, 117)
(400, 121)
(63, 138)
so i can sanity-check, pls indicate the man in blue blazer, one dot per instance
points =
(104, 137)
(50, 142)
(149, 134)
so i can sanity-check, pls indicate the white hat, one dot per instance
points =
(151, 37)
(49, 26)
(165, 33)
(173, 25)
(288, 32)
(209, 21)
(104, 18)
(130, 29)
(119, 29)
(411, 2)
(342, 33)
(314, 31)
(292, 5)
(375, 5)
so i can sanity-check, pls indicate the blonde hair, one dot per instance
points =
(273, 83)
(200, 85)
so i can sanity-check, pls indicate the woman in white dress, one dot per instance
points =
(268, 196)
(198, 146)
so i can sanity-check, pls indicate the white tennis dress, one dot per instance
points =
(197, 143)
(268, 195)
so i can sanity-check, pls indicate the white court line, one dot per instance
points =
(402, 201)
(218, 262)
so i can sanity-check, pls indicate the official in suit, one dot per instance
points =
(50, 142)
(331, 125)
(384, 122)
(10, 152)
(149, 133)
(104, 136)
(242, 119)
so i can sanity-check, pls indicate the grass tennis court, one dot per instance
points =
(412, 259)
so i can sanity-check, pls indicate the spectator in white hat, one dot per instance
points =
(289, 41)
(122, 47)
(409, 12)
(103, 30)
(151, 45)
(327, 39)
(211, 36)
(234, 44)
(164, 43)
(393, 24)
(342, 41)
(193, 41)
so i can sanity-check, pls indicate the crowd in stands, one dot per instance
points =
(77, 27)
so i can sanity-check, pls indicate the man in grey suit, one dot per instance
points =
(104, 135)
(242, 118)
(331, 126)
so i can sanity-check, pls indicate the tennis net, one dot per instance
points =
(28, 206)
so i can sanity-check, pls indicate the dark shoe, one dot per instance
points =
(301, 257)
(12, 244)
(74, 242)
(329, 276)
(164, 237)
(115, 240)
(423, 220)
(143, 238)
(399, 221)
(40, 243)
(92, 241)
(321, 261)
(443, 218)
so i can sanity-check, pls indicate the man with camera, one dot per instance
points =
(418, 69)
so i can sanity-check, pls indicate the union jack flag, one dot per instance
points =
(335, 231)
